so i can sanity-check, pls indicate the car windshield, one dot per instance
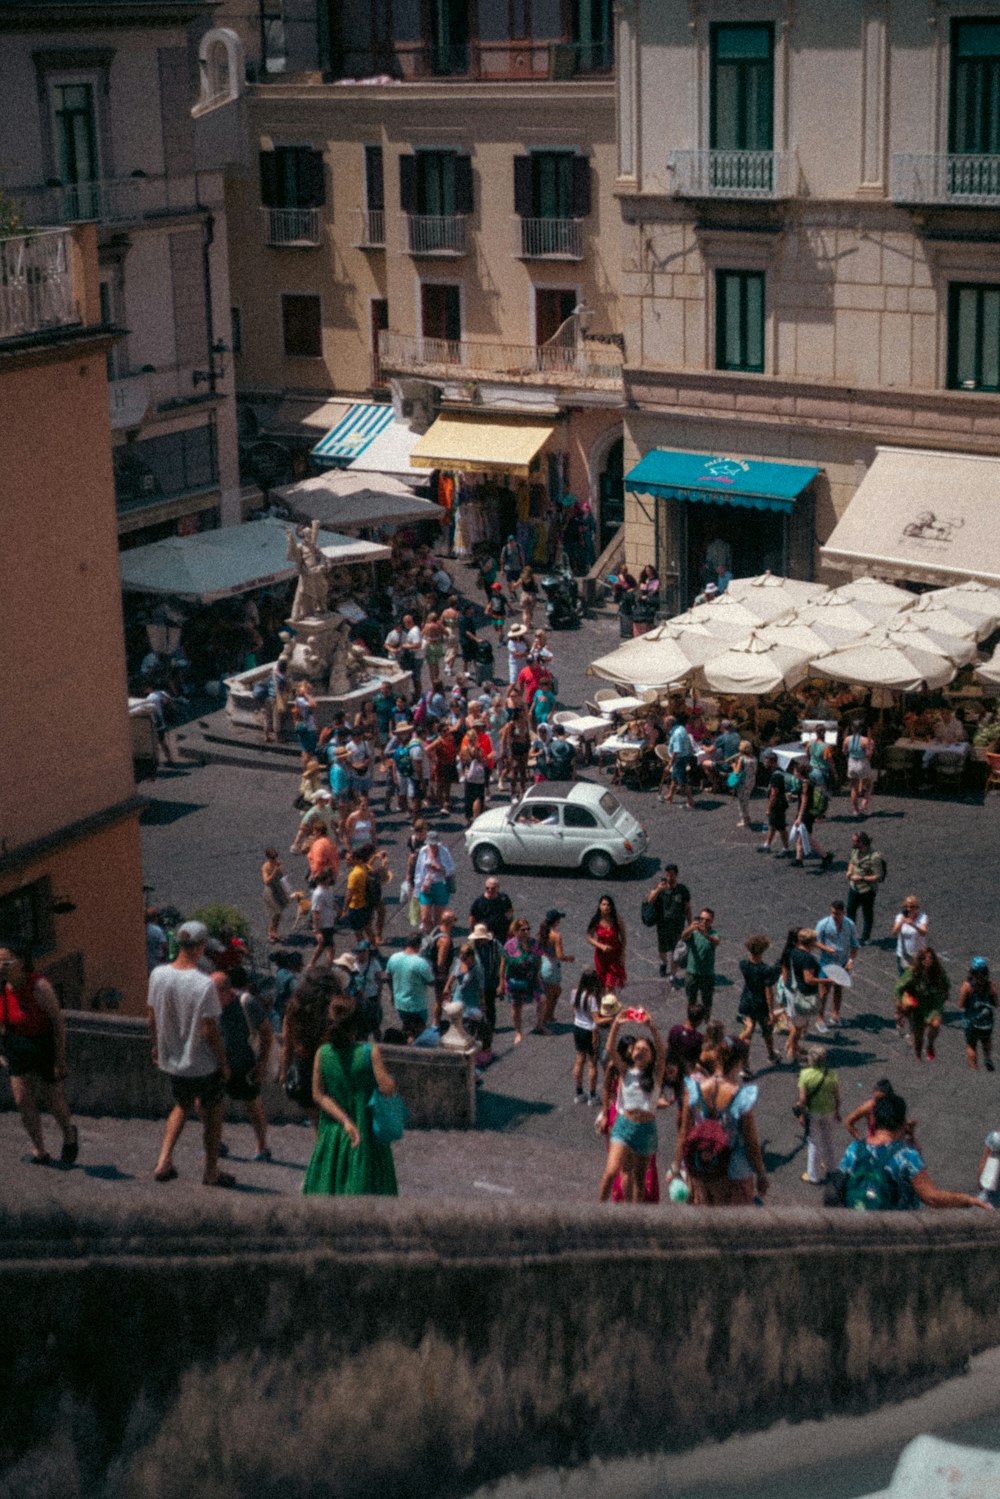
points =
(610, 804)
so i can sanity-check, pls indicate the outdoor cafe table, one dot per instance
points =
(585, 726)
(613, 705)
(933, 749)
(786, 754)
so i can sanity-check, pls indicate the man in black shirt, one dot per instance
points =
(493, 909)
(777, 807)
(671, 903)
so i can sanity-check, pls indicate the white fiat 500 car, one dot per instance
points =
(558, 825)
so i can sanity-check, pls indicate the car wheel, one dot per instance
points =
(598, 865)
(486, 858)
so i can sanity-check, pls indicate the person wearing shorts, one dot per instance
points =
(324, 919)
(187, 1045)
(410, 979)
(358, 913)
(242, 1019)
(34, 1047)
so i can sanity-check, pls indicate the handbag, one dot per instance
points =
(734, 779)
(647, 913)
(388, 1117)
(452, 884)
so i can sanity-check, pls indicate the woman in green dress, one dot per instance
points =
(347, 1160)
(921, 995)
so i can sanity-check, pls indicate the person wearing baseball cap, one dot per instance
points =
(187, 1046)
(977, 999)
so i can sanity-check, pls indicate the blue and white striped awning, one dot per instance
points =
(353, 433)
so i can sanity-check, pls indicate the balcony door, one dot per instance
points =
(553, 305)
(449, 36)
(975, 89)
(441, 317)
(75, 120)
(742, 89)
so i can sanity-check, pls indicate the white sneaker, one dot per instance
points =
(822, 1027)
(580, 1096)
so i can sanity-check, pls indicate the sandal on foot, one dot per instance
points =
(40, 1160)
(169, 1175)
(71, 1146)
(224, 1179)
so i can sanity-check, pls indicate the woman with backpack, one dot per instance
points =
(977, 999)
(633, 1135)
(812, 804)
(887, 1172)
(520, 975)
(717, 1141)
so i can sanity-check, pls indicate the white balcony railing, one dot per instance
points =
(36, 284)
(550, 239)
(108, 200)
(588, 364)
(371, 228)
(291, 228)
(732, 174)
(435, 234)
(963, 180)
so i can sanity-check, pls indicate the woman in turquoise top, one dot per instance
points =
(347, 1160)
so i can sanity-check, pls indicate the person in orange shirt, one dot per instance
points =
(323, 855)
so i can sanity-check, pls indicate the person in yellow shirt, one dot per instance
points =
(359, 908)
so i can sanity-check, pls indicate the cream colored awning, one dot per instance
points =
(481, 446)
(929, 517)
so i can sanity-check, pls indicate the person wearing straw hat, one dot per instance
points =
(517, 651)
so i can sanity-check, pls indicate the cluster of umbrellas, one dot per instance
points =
(766, 633)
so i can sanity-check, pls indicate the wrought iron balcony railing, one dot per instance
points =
(732, 174)
(965, 180)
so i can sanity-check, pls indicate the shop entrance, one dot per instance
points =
(611, 491)
(753, 541)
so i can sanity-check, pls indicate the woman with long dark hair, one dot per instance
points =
(633, 1134)
(921, 995)
(586, 1035)
(606, 935)
(553, 956)
(305, 1021)
(347, 1160)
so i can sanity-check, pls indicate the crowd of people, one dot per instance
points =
(315, 1023)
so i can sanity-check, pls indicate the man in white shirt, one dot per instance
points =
(411, 657)
(324, 906)
(183, 1013)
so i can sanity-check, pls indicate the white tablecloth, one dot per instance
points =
(787, 754)
(932, 749)
(609, 747)
(613, 705)
(585, 726)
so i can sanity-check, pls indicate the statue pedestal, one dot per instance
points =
(456, 1037)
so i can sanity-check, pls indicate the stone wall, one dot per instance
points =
(478, 1341)
(110, 1073)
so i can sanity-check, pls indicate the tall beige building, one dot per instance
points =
(436, 210)
(811, 273)
(100, 124)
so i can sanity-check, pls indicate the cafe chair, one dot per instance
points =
(949, 773)
(606, 694)
(900, 768)
(662, 753)
(992, 773)
(628, 763)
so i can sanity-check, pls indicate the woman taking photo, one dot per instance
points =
(34, 1047)
(347, 1160)
(553, 956)
(606, 935)
(633, 1134)
(921, 995)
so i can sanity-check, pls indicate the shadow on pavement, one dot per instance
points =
(107, 1173)
(162, 814)
(499, 1111)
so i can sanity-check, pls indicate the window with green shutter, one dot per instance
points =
(742, 88)
(739, 320)
(973, 337)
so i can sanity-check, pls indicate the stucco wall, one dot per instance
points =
(474, 1342)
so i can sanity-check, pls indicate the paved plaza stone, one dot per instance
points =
(204, 837)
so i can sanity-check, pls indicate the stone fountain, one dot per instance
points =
(316, 645)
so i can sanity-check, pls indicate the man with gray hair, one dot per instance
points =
(184, 1010)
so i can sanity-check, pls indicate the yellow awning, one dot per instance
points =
(481, 446)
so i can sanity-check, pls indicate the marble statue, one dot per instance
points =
(313, 572)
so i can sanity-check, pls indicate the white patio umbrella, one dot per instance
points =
(878, 661)
(772, 586)
(815, 639)
(762, 609)
(971, 598)
(855, 617)
(753, 667)
(989, 671)
(950, 619)
(653, 663)
(911, 632)
(874, 591)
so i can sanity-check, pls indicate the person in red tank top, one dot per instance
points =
(34, 1046)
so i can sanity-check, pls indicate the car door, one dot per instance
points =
(582, 829)
(535, 836)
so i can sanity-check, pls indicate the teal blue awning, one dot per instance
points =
(719, 481)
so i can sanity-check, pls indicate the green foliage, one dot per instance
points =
(220, 917)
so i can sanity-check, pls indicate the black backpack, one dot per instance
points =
(560, 760)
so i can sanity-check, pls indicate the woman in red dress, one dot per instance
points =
(606, 935)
